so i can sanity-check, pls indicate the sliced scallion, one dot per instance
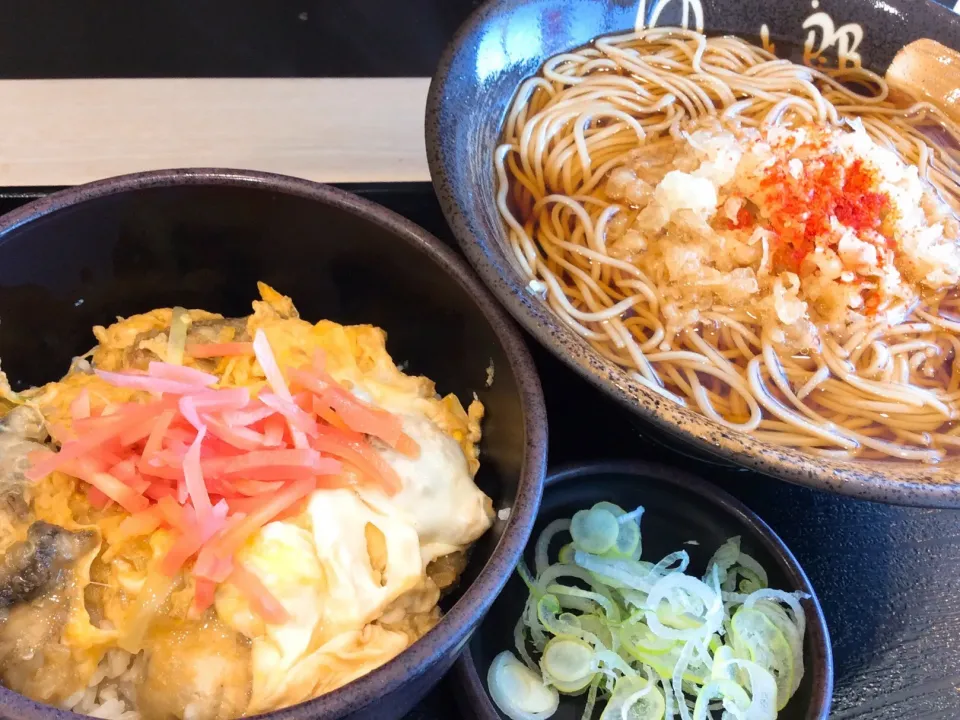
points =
(647, 640)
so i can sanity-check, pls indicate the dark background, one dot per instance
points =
(226, 38)
(888, 577)
(232, 38)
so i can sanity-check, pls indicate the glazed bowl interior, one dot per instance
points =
(679, 508)
(202, 239)
(506, 41)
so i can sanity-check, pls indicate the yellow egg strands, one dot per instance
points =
(649, 639)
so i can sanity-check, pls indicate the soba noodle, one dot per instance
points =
(871, 387)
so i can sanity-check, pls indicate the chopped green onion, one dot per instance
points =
(177, 339)
(594, 531)
(614, 510)
(518, 691)
(628, 539)
(635, 698)
(641, 639)
(646, 638)
(601, 627)
(568, 663)
(616, 573)
(541, 560)
(753, 634)
(691, 590)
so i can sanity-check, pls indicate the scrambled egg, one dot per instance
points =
(359, 572)
(333, 589)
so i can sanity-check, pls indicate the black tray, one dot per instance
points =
(888, 577)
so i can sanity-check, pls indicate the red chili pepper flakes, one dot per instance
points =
(871, 305)
(744, 219)
(801, 208)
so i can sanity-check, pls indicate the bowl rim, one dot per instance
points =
(474, 685)
(451, 633)
(888, 481)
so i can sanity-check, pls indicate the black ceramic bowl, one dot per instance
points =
(679, 508)
(202, 238)
(506, 41)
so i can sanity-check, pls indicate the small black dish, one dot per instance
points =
(679, 508)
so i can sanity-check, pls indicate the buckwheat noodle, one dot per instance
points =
(873, 391)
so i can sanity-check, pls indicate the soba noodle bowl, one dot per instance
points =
(770, 245)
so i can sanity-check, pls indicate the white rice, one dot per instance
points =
(110, 694)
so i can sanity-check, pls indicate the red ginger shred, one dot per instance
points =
(213, 470)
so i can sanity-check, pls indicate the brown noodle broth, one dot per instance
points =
(557, 244)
